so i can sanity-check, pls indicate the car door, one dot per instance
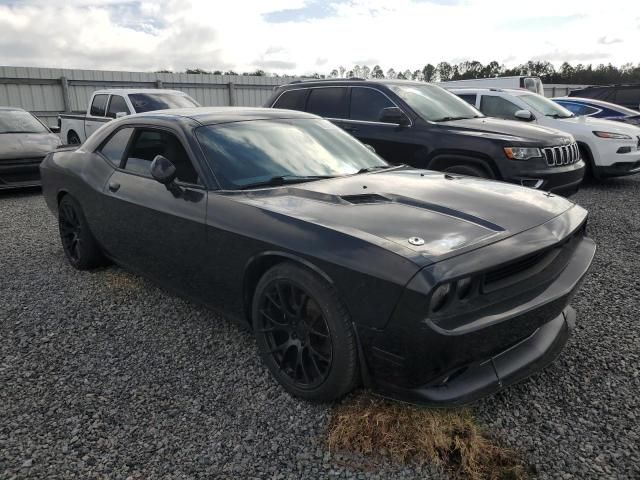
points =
(97, 112)
(155, 229)
(394, 143)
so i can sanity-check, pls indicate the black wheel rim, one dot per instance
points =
(296, 333)
(70, 231)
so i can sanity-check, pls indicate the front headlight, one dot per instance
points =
(616, 136)
(522, 153)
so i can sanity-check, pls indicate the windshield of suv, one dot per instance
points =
(242, 154)
(434, 103)
(545, 106)
(148, 102)
(19, 121)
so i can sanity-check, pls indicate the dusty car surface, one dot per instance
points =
(24, 141)
(429, 287)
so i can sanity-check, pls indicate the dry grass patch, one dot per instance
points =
(121, 281)
(448, 438)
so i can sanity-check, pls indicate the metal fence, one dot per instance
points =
(49, 91)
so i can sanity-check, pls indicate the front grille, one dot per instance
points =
(550, 259)
(560, 156)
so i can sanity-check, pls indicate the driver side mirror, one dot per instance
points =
(394, 115)
(525, 115)
(162, 170)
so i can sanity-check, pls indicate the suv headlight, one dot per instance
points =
(522, 153)
(616, 136)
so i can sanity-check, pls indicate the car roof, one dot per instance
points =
(216, 115)
(512, 91)
(127, 91)
(12, 109)
(353, 81)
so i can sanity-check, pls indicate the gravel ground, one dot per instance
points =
(104, 375)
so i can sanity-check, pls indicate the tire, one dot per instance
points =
(589, 174)
(304, 334)
(73, 138)
(470, 170)
(78, 243)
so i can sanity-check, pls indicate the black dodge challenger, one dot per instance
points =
(428, 287)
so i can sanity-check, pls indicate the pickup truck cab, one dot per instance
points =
(610, 149)
(105, 105)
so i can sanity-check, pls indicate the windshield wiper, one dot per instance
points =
(279, 180)
(449, 119)
(372, 168)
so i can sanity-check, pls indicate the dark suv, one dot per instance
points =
(425, 126)
(625, 95)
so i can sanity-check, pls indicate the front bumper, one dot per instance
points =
(561, 180)
(20, 173)
(618, 169)
(476, 350)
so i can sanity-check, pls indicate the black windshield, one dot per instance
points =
(250, 153)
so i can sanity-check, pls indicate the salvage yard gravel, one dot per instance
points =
(104, 375)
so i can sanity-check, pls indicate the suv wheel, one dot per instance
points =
(470, 170)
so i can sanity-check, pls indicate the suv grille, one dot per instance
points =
(559, 156)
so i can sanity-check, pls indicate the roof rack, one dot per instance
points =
(327, 80)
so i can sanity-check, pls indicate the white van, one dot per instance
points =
(533, 84)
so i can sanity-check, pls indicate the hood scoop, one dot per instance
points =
(365, 198)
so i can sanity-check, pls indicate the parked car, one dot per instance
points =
(105, 105)
(598, 109)
(425, 126)
(24, 141)
(527, 82)
(610, 149)
(627, 95)
(430, 287)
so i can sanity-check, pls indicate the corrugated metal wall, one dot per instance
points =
(40, 90)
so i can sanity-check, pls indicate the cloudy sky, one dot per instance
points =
(306, 36)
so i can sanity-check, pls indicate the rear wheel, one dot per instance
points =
(73, 138)
(470, 170)
(304, 334)
(78, 243)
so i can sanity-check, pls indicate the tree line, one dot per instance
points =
(443, 71)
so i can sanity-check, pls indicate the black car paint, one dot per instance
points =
(433, 145)
(212, 246)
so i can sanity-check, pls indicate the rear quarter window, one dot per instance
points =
(292, 99)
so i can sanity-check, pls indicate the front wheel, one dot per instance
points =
(304, 334)
(78, 243)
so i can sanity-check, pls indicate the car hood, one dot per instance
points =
(448, 214)
(27, 145)
(605, 125)
(508, 130)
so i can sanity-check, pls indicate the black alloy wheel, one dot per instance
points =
(304, 333)
(296, 333)
(79, 245)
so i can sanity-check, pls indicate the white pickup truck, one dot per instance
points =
(105, 105)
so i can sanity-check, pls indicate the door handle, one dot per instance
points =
(114, 186)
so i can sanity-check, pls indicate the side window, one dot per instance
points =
(292, 100)
(470, 98)
(366, 104)
(498, 107)
(328, 102)
(117, 104)
(113, 149)
(149, 143)
(98, 106)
